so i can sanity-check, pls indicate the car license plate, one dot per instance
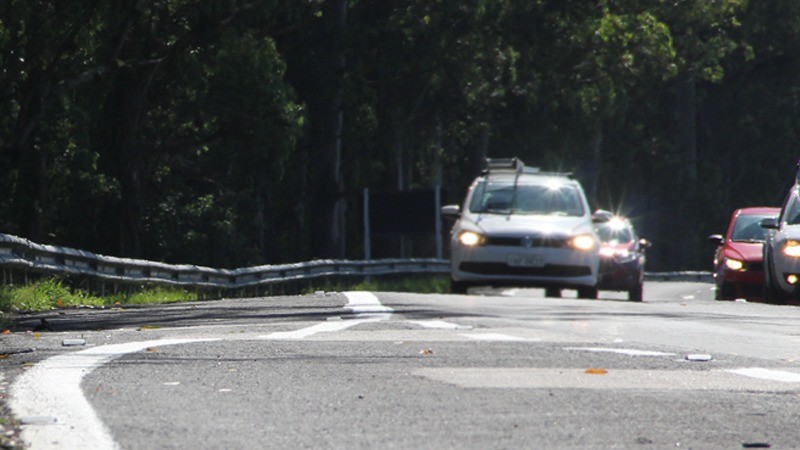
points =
(525, 260)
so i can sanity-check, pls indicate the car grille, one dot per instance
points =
(755, 267)
(525, 241)
(753, 290)
(549, 270)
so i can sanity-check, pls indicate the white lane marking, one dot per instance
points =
(622, 351)
(52, 388)
(324, 327)
(616, 379)
(767, 374)
(440, 325)
(365, 305)
(493, 337)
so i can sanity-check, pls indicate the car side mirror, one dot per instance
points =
(644, 243)
(451, 212)
(769, 223)
(716, 239)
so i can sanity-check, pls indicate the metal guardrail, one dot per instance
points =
(680, 276)
(21, 254)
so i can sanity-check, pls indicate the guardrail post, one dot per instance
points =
(438, 215)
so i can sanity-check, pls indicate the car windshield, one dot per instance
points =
(508, 198)
(614, 234)
(747, 228)
(792, 210)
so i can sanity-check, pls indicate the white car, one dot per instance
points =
(782, 251)
(522, 227)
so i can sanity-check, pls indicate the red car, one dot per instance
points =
(622, 255)
(739, 258)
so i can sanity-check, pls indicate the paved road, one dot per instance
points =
(495, 369)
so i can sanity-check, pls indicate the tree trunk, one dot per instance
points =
(685, 121)
(124, 160)
(324, 208)
(397, 144)
(482, 150)
(593, 177)
(685, 124)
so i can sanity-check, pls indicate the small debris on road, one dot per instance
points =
(73, 342)
(426, 351)
(595, 371)
(698, 357)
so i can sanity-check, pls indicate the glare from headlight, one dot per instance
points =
(469, 238)
(607, 252)
(583, 242)
(734, 264)
(792, 248)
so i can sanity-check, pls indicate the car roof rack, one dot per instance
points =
(516, 166)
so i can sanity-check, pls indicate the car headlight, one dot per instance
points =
(734, 264)
(607, 252)
(791, 248)
(625, 255)
(583, 242)
(470, 238)
(621, 255)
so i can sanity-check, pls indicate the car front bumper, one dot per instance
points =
(517, 266)
(621, 276)
(785, 266)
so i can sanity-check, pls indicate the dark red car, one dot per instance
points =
(739, 259)
(622, 255)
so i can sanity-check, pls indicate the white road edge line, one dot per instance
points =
(767, 374)
(49, 397)
(622, 351)
(49, 394)
(365, 305)
(493, 337)
(440, 325)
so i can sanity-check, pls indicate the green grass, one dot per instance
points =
(158, 295)
(53, 293)
(42, 295)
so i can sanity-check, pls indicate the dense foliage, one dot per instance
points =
(240, 132)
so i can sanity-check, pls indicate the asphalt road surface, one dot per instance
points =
(493, 369)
